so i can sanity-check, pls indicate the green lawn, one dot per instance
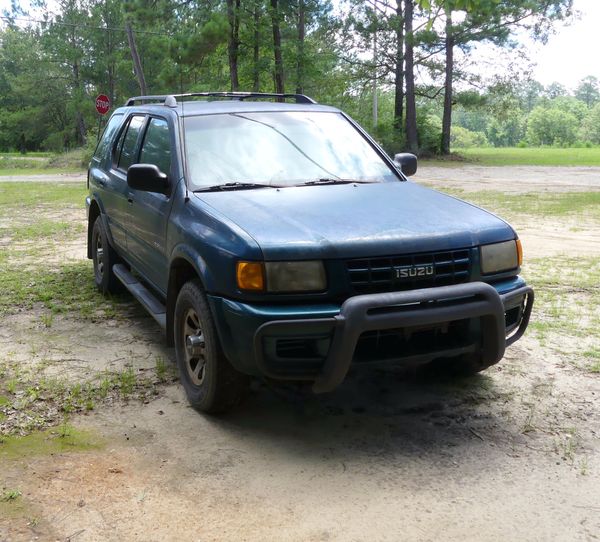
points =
(535, 156)
(17, 195)
(35, 163)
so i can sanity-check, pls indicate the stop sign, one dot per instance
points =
(102, 104)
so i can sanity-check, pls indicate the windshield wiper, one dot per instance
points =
(234, 186)
(327, 180)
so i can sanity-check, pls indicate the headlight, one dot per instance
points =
(281, 277)
(500, 257)
(295, 276)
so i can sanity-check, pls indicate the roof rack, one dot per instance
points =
(170, 100)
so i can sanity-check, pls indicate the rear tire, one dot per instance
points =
(211, 384)
(104, 257)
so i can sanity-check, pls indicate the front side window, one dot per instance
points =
(156, 148)
(286, 148)
(127, 143)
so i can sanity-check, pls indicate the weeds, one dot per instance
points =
(10, 495)
(568, 445)
(567, 306)
(69, 289)
(28, 403)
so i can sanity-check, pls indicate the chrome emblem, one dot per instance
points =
(414, 271)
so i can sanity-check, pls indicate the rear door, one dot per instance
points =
(117, 192)
(149, 211)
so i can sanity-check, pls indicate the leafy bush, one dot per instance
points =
(548, 126)
(462, 138)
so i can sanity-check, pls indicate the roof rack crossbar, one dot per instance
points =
(166, 99)
(170, 100)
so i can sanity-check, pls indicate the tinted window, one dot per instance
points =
(157, 146)
(109, 132)
(127, 156)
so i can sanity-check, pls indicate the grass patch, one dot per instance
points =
(37, 171)
(19, 195)
(33, 401)
(532, 156)
(68, 289)
(566, 204)
(10, 495)
(45, 228)
(15, 163)
(567, 306)
(51, 441)
(31, 154)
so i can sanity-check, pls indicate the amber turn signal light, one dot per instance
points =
(519, 252)
(250, 276)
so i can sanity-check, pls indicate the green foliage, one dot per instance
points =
(590, 130)
(51, 72)
(462, 137)
(551, 126)
(588, 90)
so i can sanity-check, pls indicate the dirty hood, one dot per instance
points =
(353, 221)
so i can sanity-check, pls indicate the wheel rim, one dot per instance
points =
(99, 256)
(194, 347)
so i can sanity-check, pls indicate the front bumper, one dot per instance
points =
(253, 336)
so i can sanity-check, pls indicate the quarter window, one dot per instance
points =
(108, 134)
(157, 145)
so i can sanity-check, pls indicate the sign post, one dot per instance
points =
(102, 106)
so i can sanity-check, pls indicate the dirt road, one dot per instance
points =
(511, 454)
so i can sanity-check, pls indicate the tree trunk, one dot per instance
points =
(137, 64)
(399, 71)
(279, 85)
(233, 45)
(300, 47)
(447, 118)
(412, 141)
(256, 49)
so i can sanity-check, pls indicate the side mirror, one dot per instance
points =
(147, 177)
(407, 163)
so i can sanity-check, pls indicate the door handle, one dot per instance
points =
(130, 200)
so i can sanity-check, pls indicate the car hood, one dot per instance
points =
(353, 221)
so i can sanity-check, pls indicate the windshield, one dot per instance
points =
(286, 148)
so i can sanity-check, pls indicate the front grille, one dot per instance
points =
(376, 275)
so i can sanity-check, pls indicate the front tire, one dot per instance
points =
(211, 384)
(104, 257)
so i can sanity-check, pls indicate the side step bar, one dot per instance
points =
(142, 294)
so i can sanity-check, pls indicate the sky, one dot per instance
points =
(574, 51)
(571, 53)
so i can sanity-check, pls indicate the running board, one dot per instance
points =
(142, 294)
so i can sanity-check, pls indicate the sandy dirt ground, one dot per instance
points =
(513, 179)
(540, 237)
(510, 454)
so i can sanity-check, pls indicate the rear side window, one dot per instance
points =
(109, 132)
(156, 148)
(128, 143)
